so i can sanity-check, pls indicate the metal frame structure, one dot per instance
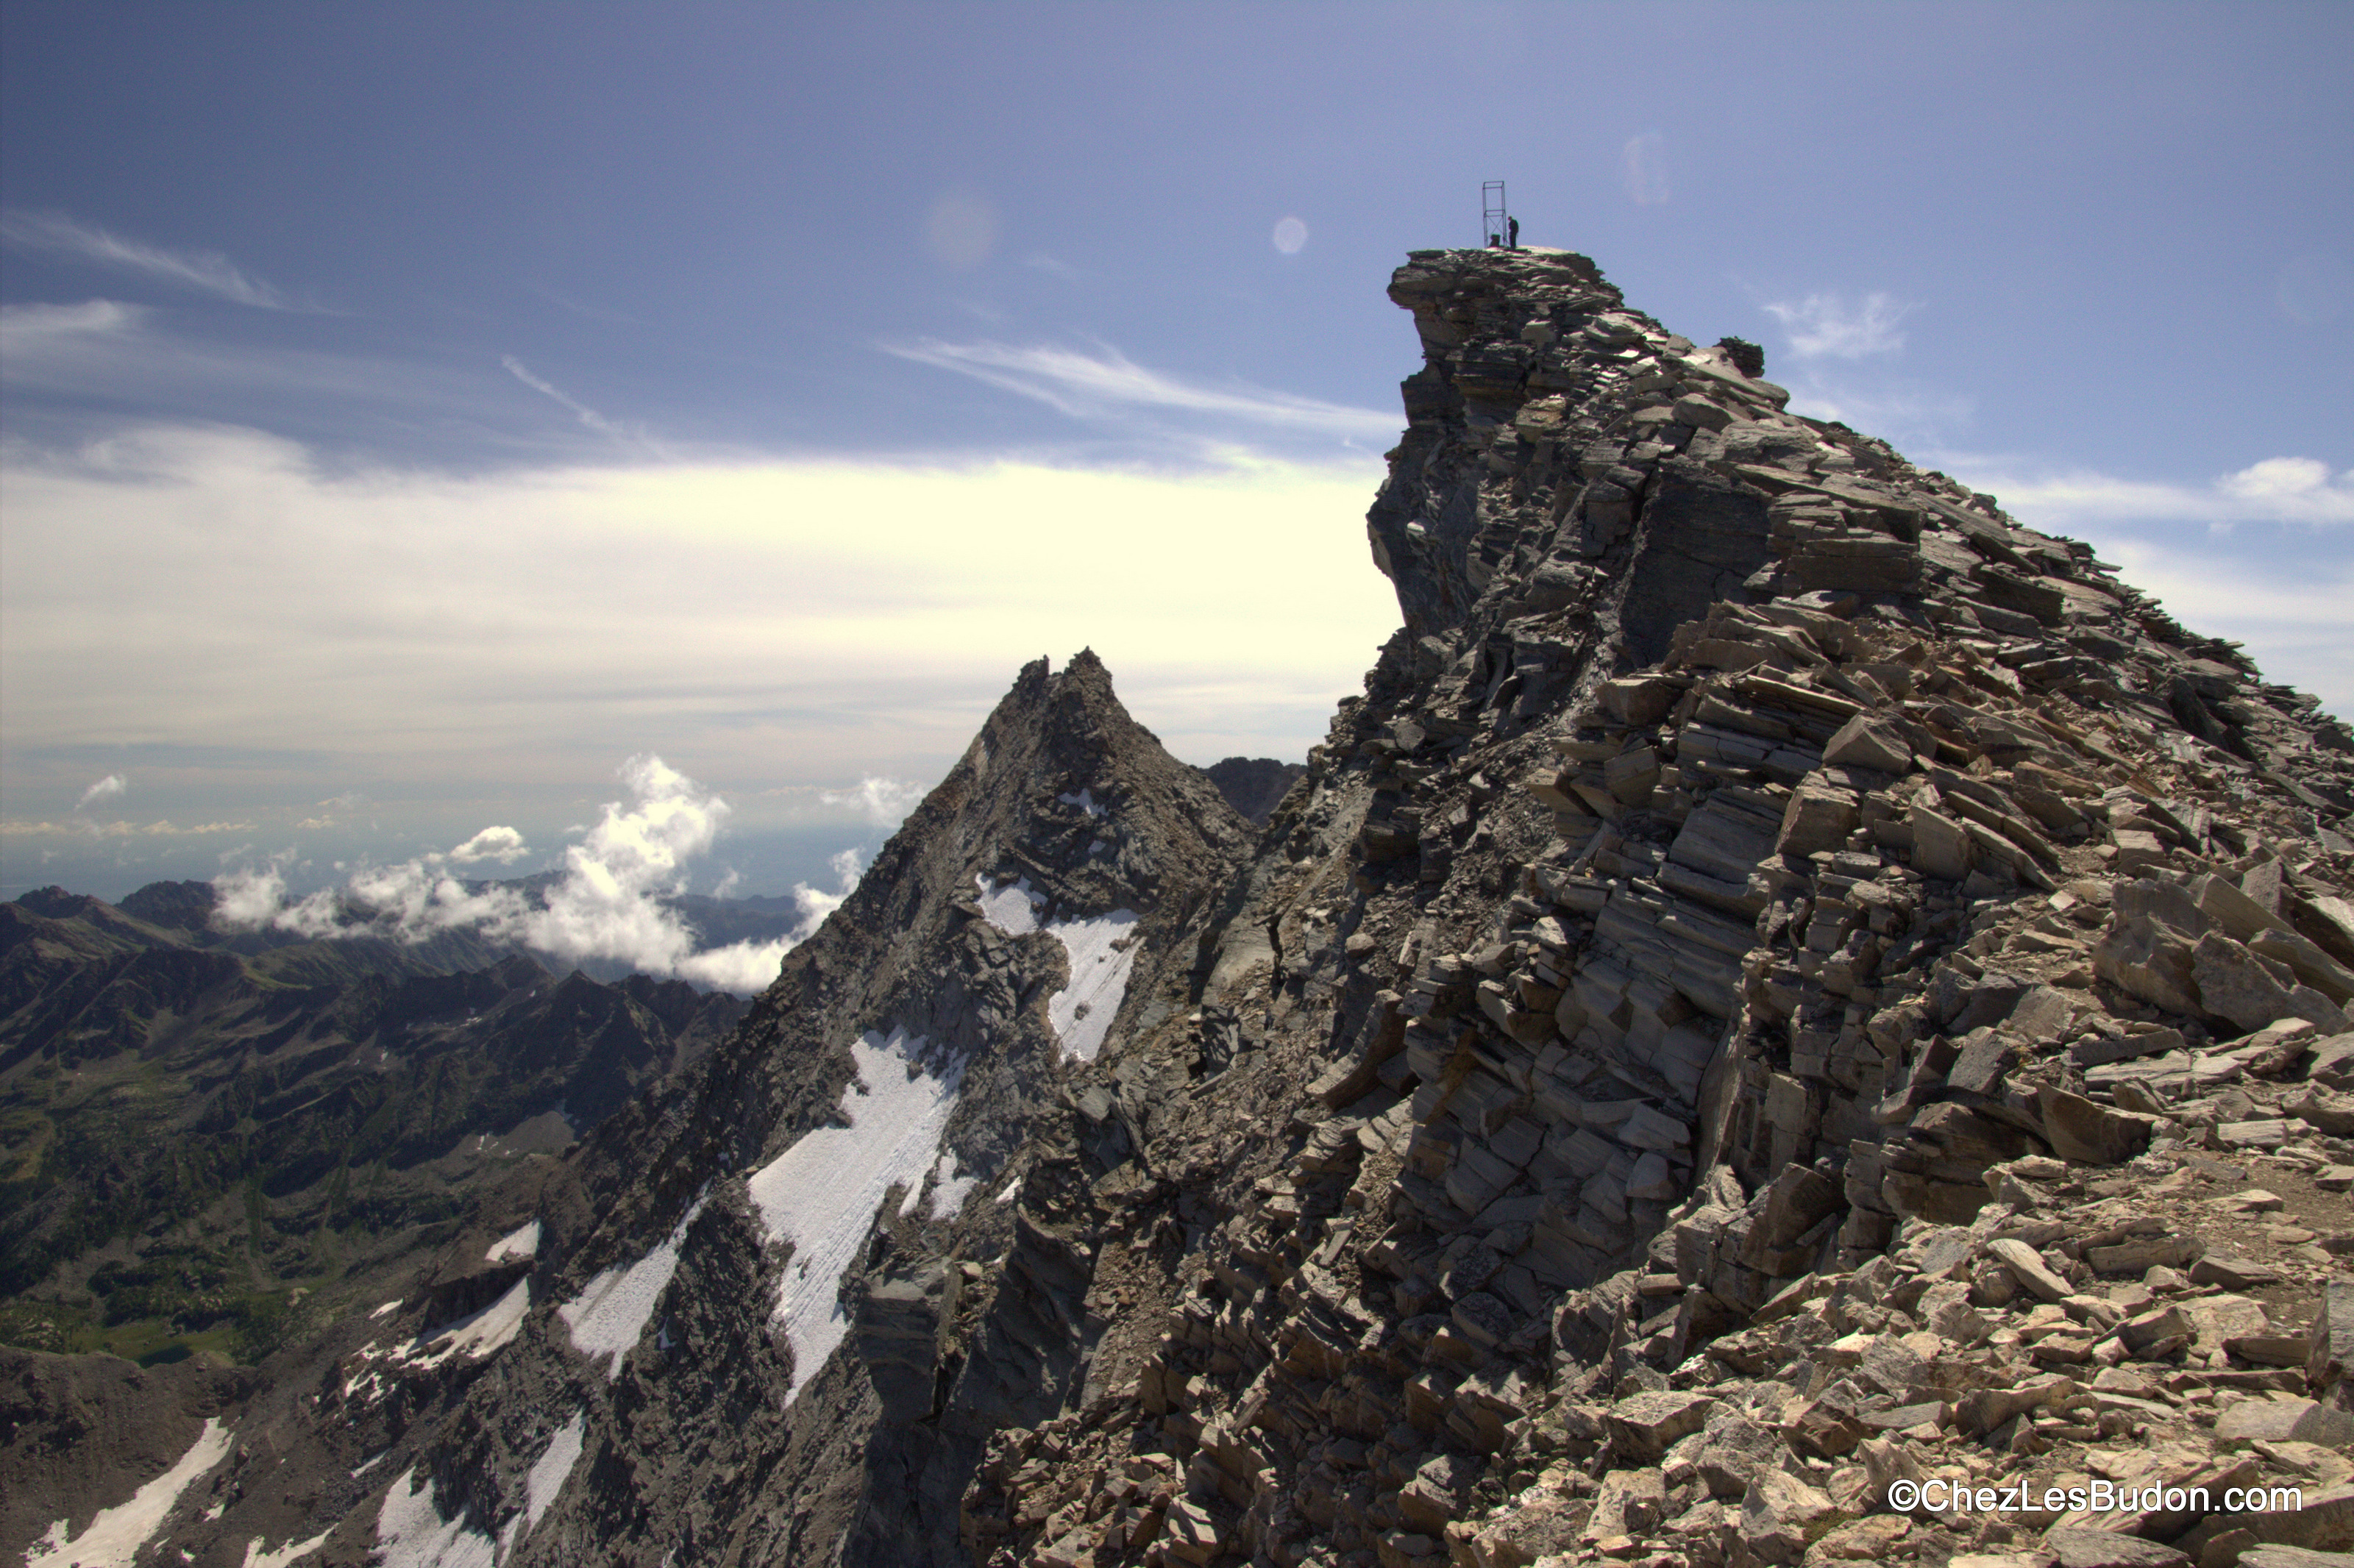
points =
(1492, 217)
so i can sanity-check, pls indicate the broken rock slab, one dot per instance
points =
(1644, 1427)
(2269, 1556)
(2077, 1546)
(2236, 985)
(2085, 1133)
(2285, 1421)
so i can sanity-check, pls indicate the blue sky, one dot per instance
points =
(414, 411)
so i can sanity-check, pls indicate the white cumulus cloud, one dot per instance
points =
(502, 844)
(1833, 325)
(2276, 489)
(2252, 554)
(2291, 481)
(607, 903)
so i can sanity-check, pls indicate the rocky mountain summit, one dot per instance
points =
(1787, 988)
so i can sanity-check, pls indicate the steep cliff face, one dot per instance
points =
(1756, 1001)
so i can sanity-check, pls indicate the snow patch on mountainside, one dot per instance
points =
(822, 1194)
(550, 1470)
(610, 1312)
(411, 1534)
(1012, 908)
(286, 1555)
(116, 1534)
(1100, 955)
(951, 1187)
(486, 1331)
(517, 1244)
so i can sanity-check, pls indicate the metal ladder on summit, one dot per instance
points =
(1494, 223)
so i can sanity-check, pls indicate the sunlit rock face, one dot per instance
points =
(1776, 990)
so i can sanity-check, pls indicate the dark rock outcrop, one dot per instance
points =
(1255, 786)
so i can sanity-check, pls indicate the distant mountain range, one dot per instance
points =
(203, 1130)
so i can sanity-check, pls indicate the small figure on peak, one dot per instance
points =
(1511, 234)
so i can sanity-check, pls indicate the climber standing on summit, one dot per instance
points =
(1511, 234)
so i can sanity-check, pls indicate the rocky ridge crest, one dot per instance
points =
(1804, 971)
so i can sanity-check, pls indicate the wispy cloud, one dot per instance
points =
(30, 329)
(1092, 386)
(1833, 325)
(1053, 266)
(581, 411)
(2256, 554)
(332, 812)
(595, 313)
(60, 360)
(570, 601)
(2290, 614)
(20, 826)
(207, 271)
(2276, 489)
(1898, 410)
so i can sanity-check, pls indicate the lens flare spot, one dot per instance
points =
(1643, 166)
(961, 230)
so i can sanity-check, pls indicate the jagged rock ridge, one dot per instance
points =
(739, 1352)
(1759, 1001)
